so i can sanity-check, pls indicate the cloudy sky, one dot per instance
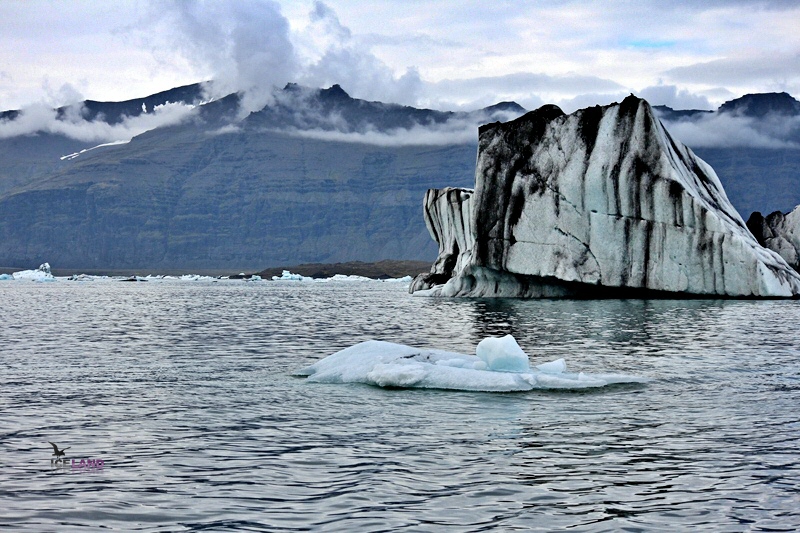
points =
(445, 54)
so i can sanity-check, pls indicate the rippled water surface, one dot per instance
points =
(185, 391)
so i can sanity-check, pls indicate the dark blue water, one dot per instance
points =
(185, 391)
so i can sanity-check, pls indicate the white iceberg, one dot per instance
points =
(498, 367)
(288, 276)
(404, 279)
(41, 274)
(190, 277)
(349, 277)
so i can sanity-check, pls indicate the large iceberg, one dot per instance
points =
(499, 365)
(602, 202)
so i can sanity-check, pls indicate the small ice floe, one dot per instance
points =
(343, 277)
(404, 279)
(82, 277)
(41, 274)
(195, 277)
(288, 276)
(499, 365)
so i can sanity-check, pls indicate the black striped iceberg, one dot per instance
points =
(599, 203)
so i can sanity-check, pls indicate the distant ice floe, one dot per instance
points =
(41, 274)
(500, 365)
(289, 276)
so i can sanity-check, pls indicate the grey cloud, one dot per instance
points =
(778, 70)
(586, 100)
(530, 90)
(412, 39)
(66, 94)
(718, 94)
(352, 65)
(247, 47)
(675, 98)
(325, 15)
(528, 83)
(706, 4)
(245, 44)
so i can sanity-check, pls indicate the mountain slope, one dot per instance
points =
(176, 197)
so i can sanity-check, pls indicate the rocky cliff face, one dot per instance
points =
(780, 233)
(602, 202)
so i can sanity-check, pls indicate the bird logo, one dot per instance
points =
(58, 453)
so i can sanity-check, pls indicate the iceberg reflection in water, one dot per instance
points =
(499, 366)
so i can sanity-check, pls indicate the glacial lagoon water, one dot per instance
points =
(185, 391)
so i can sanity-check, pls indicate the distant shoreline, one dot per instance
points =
(385, 269)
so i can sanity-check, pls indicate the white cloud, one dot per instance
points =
(723, 130)
(333, 56)
(773, 72)
(42, 118)
(244, 45)
(459, 128)
(418, 135)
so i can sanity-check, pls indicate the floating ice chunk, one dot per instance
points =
(503, 354)
(288, 276)
(386, 364)
(345, 277)
(81, 277)
(553, 367)
(40, 274)
(4, 277)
